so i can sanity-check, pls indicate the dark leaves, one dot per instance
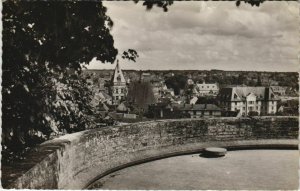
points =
(130, 54)
(45, 44)
(149, 4)
(251, 2)
(161, 4)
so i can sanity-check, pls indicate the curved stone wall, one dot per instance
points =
(74, 161)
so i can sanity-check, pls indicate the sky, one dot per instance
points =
(195, 35)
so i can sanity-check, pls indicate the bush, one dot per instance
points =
(253, 113)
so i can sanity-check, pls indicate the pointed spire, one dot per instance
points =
(118, 76)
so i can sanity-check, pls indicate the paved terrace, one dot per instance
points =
(76, 161)
(238, 170)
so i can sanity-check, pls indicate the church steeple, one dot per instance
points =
(118, 76)
(118, 88)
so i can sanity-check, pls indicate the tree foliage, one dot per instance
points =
(140, 94)
(45, 45)
(130, 55)
(176, 82)
(251, 2)
(165, 5)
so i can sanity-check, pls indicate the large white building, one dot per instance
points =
(205, 89)
(246, 99)
(118, 88)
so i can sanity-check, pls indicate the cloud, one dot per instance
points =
(206, 35)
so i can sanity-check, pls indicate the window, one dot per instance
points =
(122, 90)
(244, 108)
(272, 107)
(117, 97)
(118, 78)
(235, 96)
(194, 112)
(235, 103)
(256, 107)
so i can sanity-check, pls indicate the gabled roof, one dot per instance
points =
(279, 88)
(261, 93)
(194, 100)
(103, 107)
(122, 107)
(243, 92)
(104, 95)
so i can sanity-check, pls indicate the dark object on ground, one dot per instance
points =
(212, 152)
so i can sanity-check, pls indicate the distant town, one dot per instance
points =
(122, 96)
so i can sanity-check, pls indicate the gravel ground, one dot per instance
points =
(243, 169)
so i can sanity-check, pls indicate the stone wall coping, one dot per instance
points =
(45, 150)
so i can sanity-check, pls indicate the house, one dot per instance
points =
(279, 90)
(102, 107)
(200, 110)
(160, 110)
(248, 99)
(168, 110)
(146, 77)
(190, 81)
(207, 89)
(122, 108)
(289, 107)
(104, 97)
(118, 89)
(157, 87)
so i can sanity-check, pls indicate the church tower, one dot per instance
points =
(119, 88)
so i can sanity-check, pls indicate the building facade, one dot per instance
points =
(201, 110)
(279, 90)
(173, 110)
(260, 100)
(205, 89)
(119, 88)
